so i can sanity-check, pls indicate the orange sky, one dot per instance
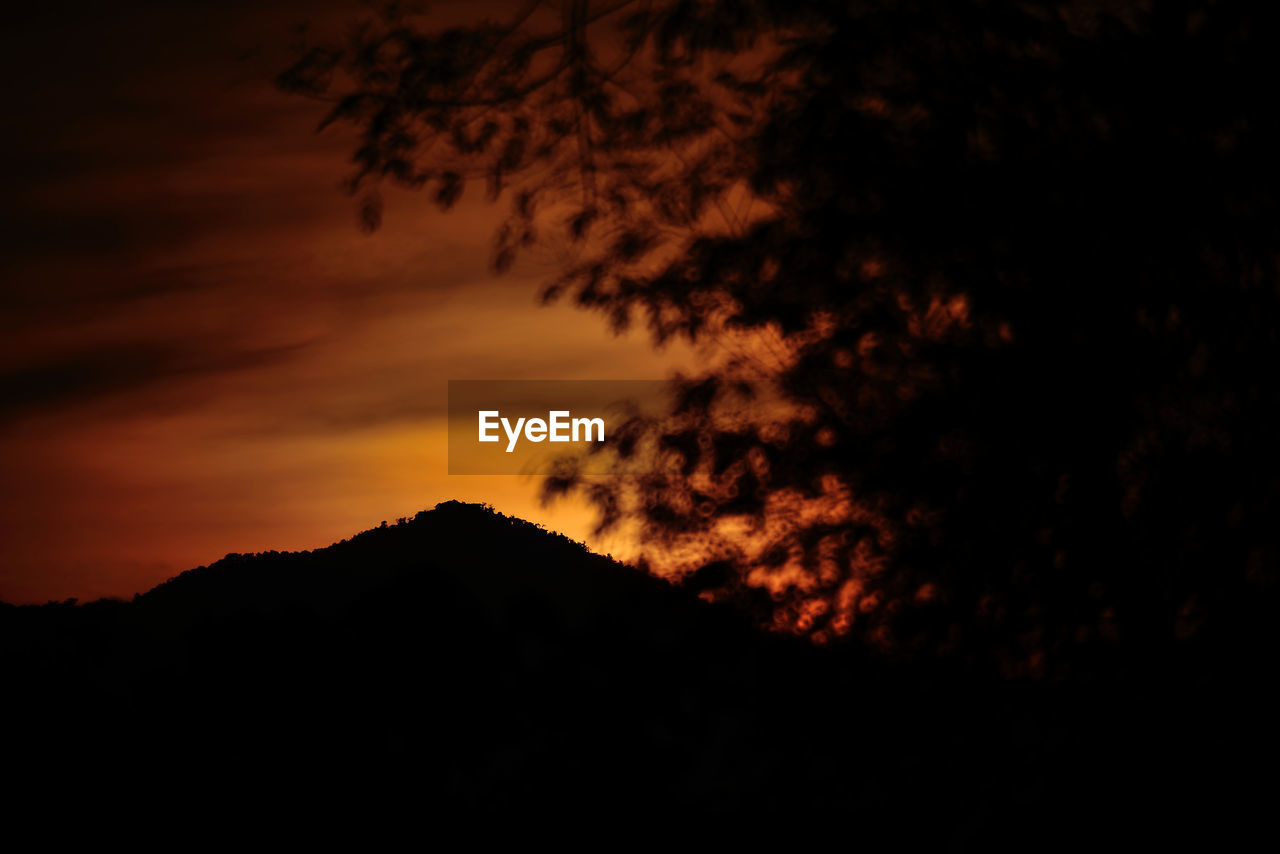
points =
(199, 351)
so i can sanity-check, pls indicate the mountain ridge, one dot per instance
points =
(465, 665)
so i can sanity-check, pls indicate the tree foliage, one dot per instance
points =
(997, 283)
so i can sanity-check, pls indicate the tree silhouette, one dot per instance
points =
(996, 285)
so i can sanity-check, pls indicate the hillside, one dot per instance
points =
(465, 664)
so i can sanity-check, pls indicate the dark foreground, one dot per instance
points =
(467, 666)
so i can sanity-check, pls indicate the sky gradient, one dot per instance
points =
(201, 352)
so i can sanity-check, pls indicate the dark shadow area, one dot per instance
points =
(465, 669)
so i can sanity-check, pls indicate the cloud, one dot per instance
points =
(118, 369)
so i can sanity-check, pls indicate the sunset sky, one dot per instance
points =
(201, 352)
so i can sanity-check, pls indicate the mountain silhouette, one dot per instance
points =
(464, 666)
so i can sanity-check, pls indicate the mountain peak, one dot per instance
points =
(469, 550)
